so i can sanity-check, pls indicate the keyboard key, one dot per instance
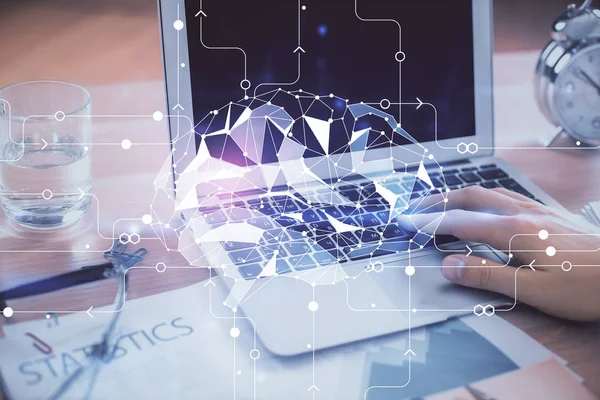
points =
(490, 185)
(312, 216)
(245, 256)
(261, 222)
(487, 166)
(468, 169)
(333, 211)
(367, 220)
(351, 194)
(282, 266)
(323, 258)
(297, 247)
(438, 182)
(494, 173)
(238, 214)
(452, 180)
(346, 239)
(269, 250)
(369, 236)
(233, 246)
(286, 221)
(348, 210)
(470, 177)
(301, 263)
(393, 231)
(217, 217)
(511, 184)
(395, 246)
(304, 229)
(250, 271)
(326, 243)
(384, 216)
(267, 209)
(322, 228)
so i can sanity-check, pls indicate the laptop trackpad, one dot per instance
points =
(429, 291)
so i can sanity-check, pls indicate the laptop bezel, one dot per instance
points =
(180, 106)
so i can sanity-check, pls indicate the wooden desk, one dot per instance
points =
(123, 183)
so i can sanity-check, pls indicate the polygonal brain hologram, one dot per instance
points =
(283, 184)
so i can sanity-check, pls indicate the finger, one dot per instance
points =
(466, 225)
(514, 195)
(522, 284)
(473, 198)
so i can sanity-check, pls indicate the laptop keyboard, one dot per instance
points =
(311, 241)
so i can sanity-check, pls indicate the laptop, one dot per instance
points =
(280, 97)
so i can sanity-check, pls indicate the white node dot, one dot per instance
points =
(147, 219)
(161, 267)
(8, 312)
(87, 246)
(86, 148)
(445, 200)
(178, 25)
(157, 116)
(47, 194)
(313, 306)
(566, 266)
(126, 144)
(414, 310)
(550, 251)
(410, 270)
(182, 65)
(59, 116)
(430, 156)
(239, 372)
(303, 8)
(578, 143)
(543, 234)
(483, 262)
(373, 305)
(234, 332)
(254, 354)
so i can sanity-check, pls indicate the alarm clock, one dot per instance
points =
(568, 75)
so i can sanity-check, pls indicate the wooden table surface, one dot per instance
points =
(123, 185)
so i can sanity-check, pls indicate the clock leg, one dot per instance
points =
(555, 135)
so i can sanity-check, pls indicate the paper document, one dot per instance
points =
(185, 344)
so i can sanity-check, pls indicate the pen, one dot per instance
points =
(478, 394)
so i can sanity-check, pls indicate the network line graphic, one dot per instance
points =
(328, 179)
(300, 221)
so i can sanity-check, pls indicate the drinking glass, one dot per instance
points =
(45, 153)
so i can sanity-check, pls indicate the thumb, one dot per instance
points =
(480, 273)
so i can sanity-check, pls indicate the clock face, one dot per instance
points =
(577, 98)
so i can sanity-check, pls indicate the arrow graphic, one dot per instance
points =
(45, 144)
(313, 387)
(178, 106)
(201, 13)
(409, 351)
(299, 48)
(470, 251)
(89, 312)
(420, 103)
(531, 265)
(210, 282)
(82, 194)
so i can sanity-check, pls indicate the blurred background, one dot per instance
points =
(95, 42)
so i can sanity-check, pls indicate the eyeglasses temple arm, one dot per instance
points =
(55, 283)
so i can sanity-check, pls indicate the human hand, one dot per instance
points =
(526, 230)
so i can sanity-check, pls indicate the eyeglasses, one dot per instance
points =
(119, 262)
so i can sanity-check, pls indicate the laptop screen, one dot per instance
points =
(242, 46)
